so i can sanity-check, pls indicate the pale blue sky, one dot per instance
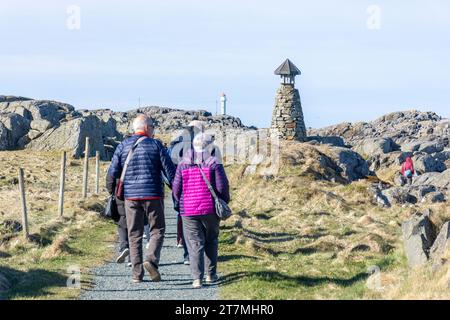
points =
(181, 53)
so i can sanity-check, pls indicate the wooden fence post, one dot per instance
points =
(97, 172)
(86, 169)
(24, 204)
(62, 183)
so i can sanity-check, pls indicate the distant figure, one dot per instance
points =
(144, 193)
(408, 170)
(200, 221)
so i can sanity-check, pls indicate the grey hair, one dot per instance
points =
(202, 141)
(200, 125)
(141, 121)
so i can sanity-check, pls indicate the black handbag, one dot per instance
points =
(111, 211)
(223, 211)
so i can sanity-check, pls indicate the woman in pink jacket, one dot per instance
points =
(200, 221)
(408, 170)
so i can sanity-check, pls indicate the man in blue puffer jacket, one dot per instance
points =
(144, 194)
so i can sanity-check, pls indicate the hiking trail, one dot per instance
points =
(112, 281)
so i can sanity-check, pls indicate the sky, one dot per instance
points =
(359, 59)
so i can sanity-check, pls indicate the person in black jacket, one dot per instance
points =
(175, 151)
(124, 249)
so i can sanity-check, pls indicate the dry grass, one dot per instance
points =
(54, 242)
(424, 283)
(295, 235)
(299, 228)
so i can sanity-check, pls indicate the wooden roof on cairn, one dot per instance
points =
(287, 68)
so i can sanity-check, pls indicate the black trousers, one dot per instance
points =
(180, 237)
(122, 229)
(123, 234)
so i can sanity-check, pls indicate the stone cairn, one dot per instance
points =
(287, 118)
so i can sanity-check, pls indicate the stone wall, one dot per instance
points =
(287, 118)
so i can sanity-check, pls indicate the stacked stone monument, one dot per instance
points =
(287, 118)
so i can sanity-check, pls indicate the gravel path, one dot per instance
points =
(113, 281)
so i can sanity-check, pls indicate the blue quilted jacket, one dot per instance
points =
(143, 179)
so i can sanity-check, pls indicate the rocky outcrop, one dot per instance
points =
(418, 237)
(71, 135)
(424, 163)
(23, 120)
(376, 190)
(403, 128)
(441, 244)
(374, 146)
(166, 119)
(334, 141)
(52, 125)
(12, 98)
(408, 131)
(388, 196)
(383, 161)
(389, 140)
(441, 181)
(4, 141)
(435, 197)
(424, 145)
(317, 161)
(15, 127)
(422, 243)
(399, 195)
(351, 165)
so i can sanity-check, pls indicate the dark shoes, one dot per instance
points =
(153, 271)
(123, 255)
(211, 279)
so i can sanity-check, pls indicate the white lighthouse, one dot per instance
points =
(223, 104)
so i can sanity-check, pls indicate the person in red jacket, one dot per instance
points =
(408, 170)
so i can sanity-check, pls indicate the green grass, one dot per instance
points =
(297, 273)
(33, 277)
(37, 269)
(300, 238)
(293, 237)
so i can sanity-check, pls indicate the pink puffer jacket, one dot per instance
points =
(191, 191)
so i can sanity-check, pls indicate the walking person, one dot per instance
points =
(124, 249)
(197, 209)
(408, 170)
(143, 191)
(176, 147)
